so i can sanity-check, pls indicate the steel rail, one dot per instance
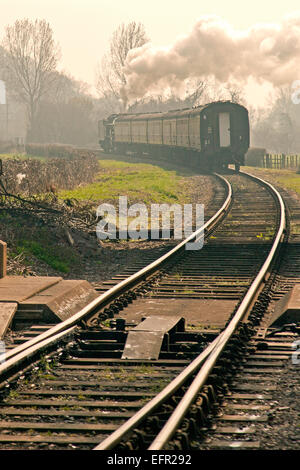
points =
(16, 355)
(30, 352)
(111, 441)
(178, 415)
(210, 355)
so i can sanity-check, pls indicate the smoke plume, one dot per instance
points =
(264, 52)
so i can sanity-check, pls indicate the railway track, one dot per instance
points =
(84, 391)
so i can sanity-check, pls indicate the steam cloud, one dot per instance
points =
(265, 52)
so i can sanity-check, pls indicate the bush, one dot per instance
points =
(8, 146)
(57, 151)
(254, 156)
(32, 176)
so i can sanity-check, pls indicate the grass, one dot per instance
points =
(140, 182)
(13, 394)
(52, 255)
(47, 377)
(39, 242)
(291, 182)
(287, 178)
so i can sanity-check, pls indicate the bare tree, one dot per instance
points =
(282, 118)
(235, 93)
(214, 90)
(276, 126)
(191, 96)
(31, 60)
(110, 76)
(194, 92)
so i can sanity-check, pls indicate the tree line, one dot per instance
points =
(58, 108)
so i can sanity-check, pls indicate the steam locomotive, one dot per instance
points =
(208, 137)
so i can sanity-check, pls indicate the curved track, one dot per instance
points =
(73, 399)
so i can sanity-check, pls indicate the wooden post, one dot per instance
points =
(2, 259)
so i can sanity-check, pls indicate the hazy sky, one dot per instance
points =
(83, 27)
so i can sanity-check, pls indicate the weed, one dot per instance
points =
(43, 253)
(47, 377)
(13, 395)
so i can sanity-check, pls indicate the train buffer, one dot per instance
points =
(146, 339)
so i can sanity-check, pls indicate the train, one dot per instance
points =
(208, 137)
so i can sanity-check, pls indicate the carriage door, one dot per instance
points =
(224, 129)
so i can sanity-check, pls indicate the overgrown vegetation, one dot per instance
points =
(30, 238)
(33, 221)
(57, 151)
(290, 180)
(53, 255)
(51, 231)
(139, 182)
(254, 156)
(37, 175)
